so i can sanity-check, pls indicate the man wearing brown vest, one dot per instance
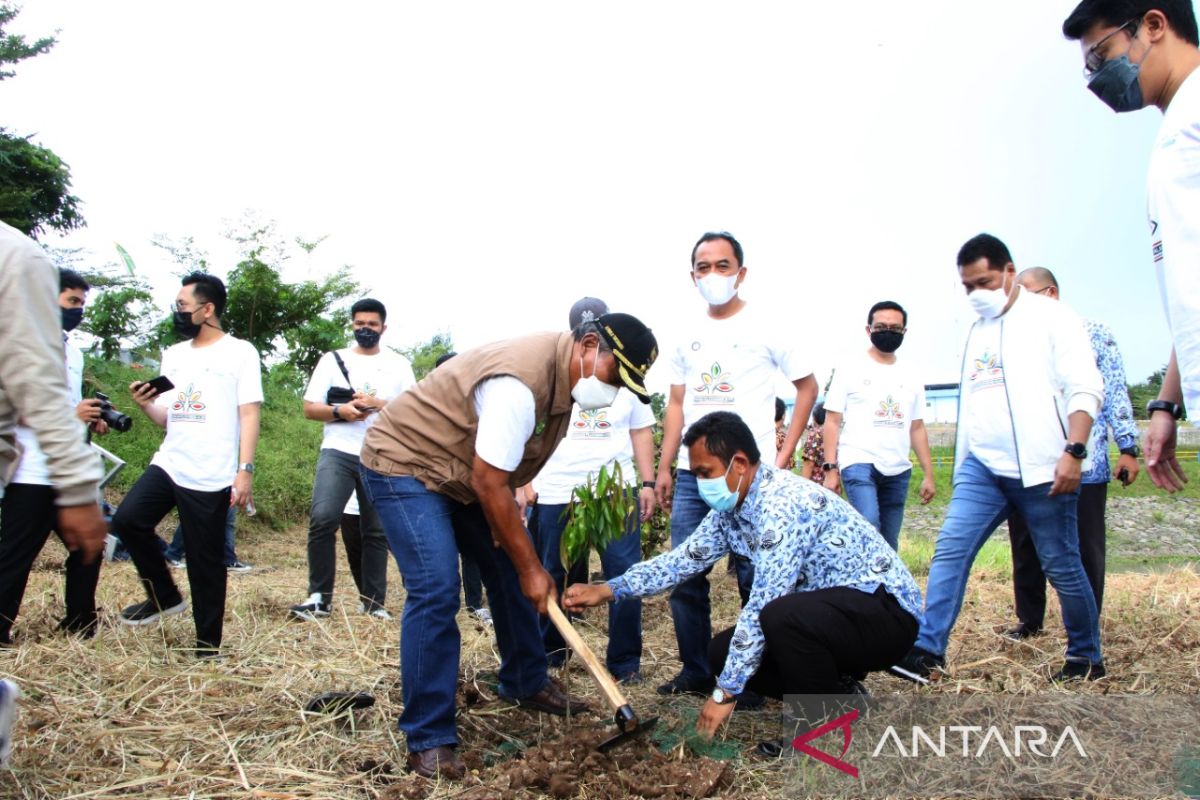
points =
(440, 466)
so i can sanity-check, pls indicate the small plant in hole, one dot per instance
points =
(596, 514)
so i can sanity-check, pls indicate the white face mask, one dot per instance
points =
(717, 290)
(592, 393)
(988, 303)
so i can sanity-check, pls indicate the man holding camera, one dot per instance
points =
(347, 388)
(27, 512)
(205, 463)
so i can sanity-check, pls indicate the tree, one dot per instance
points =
(13, 47)
(34, 182)
(120, 307)
(424, 355)
(1144, 392)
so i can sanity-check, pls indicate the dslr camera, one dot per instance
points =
(115, 419)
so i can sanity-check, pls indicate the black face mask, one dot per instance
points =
(366, 337)
(184, 325)
(71, 317)
(886, 341)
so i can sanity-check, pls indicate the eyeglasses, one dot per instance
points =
(1093, 61)
(887, 329)
(1043, 290)
(179, 306)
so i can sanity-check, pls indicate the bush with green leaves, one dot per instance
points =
(596, 514)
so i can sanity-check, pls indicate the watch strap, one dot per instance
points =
(1174, 409)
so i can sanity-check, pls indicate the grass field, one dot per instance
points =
(129, 714)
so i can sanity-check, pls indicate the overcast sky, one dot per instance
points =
(482, 164)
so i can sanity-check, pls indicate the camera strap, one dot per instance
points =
(342, 366)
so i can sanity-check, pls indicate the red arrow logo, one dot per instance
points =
(842, 723)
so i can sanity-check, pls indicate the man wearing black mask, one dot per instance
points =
(873, 415)
(27, 511)
(347, 388)
(204, 465)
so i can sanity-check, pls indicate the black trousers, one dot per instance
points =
(1029, 583)
(27, 515)
(202, 517)
(815, 639)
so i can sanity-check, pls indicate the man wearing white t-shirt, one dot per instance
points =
(730, 360)
(881, 405)
(1028, 395)
(617, 434)
(367, 376)
(1139, 53)
(27, 511)
(204, 465)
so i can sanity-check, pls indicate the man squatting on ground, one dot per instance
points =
(1029, 392)
(729, 359)
(347, 389)
(831, 600)
(441, 465)
(1116, 413)
(204, 465)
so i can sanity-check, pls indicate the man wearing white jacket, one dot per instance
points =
(1028, 395)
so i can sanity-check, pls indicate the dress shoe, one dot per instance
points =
(437, 762)
(682, 684)
(552, 699)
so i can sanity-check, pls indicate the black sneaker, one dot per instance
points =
(238, 566)
(84, 628)
(148, 612)
(311, 609)
(918, 666)
(633, 678)
(1079, 671)
(682, 685)
(1022, 631)
(749, 701)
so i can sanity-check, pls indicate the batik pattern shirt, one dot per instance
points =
(800, 537)
(814, 451)
(1116, 414)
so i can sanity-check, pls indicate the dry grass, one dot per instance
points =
(130, 714)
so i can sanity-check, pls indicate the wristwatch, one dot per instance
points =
(722, 697)
(1130, 451)
(1076, 449)
(1174, 409)
(827, 466)
(247, 467)
(337, 417)
(648, 484)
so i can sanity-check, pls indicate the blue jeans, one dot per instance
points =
(980, 502)
(426, 532)
(691, 609)
(175, 551)
(624, 618)
(878, 497)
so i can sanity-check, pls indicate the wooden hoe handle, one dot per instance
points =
(612, 692)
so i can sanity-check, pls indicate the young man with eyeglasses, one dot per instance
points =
(368, 375)
(1139, 53)
(873, 416)
(1028, 395)
(204, 465)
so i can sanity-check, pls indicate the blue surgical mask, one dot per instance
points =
(1116, 83)
(716, 493)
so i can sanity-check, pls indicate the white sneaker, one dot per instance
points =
(311, 609)
(483, 615)
(379, 613)
(9, 692)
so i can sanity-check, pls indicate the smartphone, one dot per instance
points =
(161, 384)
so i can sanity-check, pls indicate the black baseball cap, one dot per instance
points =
(635, 348)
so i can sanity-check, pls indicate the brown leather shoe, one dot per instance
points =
(552, 699)
(440, 761)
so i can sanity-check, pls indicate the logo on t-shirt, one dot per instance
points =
(592, 425)
(187, 406)
(988, 372)
(889, 414)
(715, 387)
